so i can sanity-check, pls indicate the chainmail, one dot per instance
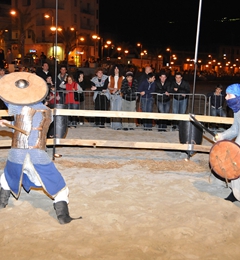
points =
(37, 156)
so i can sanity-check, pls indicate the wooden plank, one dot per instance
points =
(132, 145)
(122, 114)
(120, 144)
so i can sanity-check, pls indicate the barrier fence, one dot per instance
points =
(122, 144)
(201, 104)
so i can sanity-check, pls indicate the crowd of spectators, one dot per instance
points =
(123, 89)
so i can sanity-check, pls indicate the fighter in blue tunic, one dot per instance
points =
(28, 164)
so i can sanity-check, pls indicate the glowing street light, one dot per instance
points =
(13, 12)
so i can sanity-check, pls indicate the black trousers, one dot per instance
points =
(101, 103)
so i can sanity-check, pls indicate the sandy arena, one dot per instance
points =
(135, 204)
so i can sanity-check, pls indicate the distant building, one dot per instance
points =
(82, 17)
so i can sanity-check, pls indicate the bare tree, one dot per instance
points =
(23, 23)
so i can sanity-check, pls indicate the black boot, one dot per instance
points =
(4, 196)
(231, 197)
(62, 212)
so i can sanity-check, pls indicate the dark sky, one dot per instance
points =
(158, 23)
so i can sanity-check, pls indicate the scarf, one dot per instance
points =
(234, 104)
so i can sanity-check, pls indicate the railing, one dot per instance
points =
(200, 103)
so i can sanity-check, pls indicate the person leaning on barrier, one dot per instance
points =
(216, 101)
(101, 96)
(233, 101)
(146, 88)
(179, 88)
(163, 101)
(129, 90)
(71, 88)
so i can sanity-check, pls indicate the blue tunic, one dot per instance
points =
(31, 167)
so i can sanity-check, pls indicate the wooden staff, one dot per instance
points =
(16, 128)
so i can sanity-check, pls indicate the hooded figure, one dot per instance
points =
(233, 101)
(28, 164)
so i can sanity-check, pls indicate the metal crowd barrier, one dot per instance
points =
(200, 104)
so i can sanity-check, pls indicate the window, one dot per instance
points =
(26, 2)
(75, 18)
(75, 3)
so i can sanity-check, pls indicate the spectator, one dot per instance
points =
(82, 83)
(143, 76)
(146, 88)
(101, 95)
(216, 102)
(52, 94)
(44, 72)
(9, 56)
(179, 88)
(71, 87)
(61, 81)
(163, 101)
(114, 86)
(2, 72)
(129, 96)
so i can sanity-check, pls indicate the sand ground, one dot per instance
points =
(135, 204)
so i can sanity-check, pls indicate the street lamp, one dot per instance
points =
(108, 43)
(95, 37)
(169, 50)
(141, 53)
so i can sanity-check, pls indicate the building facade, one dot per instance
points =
(74, 23)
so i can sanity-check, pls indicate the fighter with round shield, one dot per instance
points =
(225, 155)
(28, 164)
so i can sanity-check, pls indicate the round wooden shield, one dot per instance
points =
(224, 159)
(22, 88)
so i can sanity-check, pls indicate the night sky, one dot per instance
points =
(158, 24)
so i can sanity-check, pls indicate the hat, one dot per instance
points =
(129, 73)
(22, 88)
(234, 89)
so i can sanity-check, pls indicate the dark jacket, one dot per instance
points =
(216, 101)
(129, 93)
(43, 75)
(161, 89)
(183, 88)
(147, 87)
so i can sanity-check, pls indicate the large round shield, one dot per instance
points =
(22, 88)
(224, 159)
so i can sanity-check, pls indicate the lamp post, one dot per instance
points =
(141, 53)
(169, 50)
(108, 44)
(159, 62)
(95, 37)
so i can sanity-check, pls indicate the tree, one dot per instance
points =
(68, 38)
(23, 23)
